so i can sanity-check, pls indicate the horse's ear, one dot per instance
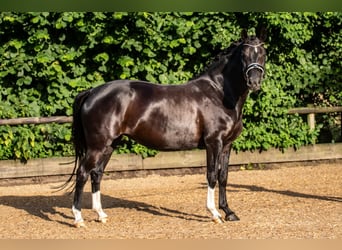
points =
(262, 33)
(244, 34)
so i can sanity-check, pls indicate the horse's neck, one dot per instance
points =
(235, 88)
(240, 103)
(228, 81)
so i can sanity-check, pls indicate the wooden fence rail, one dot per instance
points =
(36, 120)
(315, 110)
(310, 111)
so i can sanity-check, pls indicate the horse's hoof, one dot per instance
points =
(232, 217)
(103, 220)
(80, 224)
(218, 220)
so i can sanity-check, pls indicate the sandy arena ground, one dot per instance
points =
(288, 202)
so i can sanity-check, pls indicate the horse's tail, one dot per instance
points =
(77, 126)
(77, 135)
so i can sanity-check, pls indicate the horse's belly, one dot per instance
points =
(180, 139)
(168, 137)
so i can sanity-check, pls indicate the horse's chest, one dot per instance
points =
(230, 128)
(236, 130)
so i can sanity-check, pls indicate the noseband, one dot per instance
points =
(254, 65)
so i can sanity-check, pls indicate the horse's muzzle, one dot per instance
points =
(254, 83)
(254, 73)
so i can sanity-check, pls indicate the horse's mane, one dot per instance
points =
(222, 57)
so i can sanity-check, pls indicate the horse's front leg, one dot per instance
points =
(222, 178)
(212, 175)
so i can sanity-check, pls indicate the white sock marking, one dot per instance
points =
(211, 203)
(97, 206)
(77, 215)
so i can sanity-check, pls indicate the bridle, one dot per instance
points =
(254, 65)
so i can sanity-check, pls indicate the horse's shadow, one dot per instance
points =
(48, 207)
(40, 205)
(290, 193)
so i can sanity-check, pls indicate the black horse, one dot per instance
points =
(205, 112)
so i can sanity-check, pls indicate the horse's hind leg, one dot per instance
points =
(92, 163)
(96, 177)
(81, 179)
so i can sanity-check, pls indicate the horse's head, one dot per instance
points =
(253, 59)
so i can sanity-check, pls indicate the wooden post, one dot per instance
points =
(311, 119)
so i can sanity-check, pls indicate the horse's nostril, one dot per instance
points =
(254, 83)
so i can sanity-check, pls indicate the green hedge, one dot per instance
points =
(47, 58)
